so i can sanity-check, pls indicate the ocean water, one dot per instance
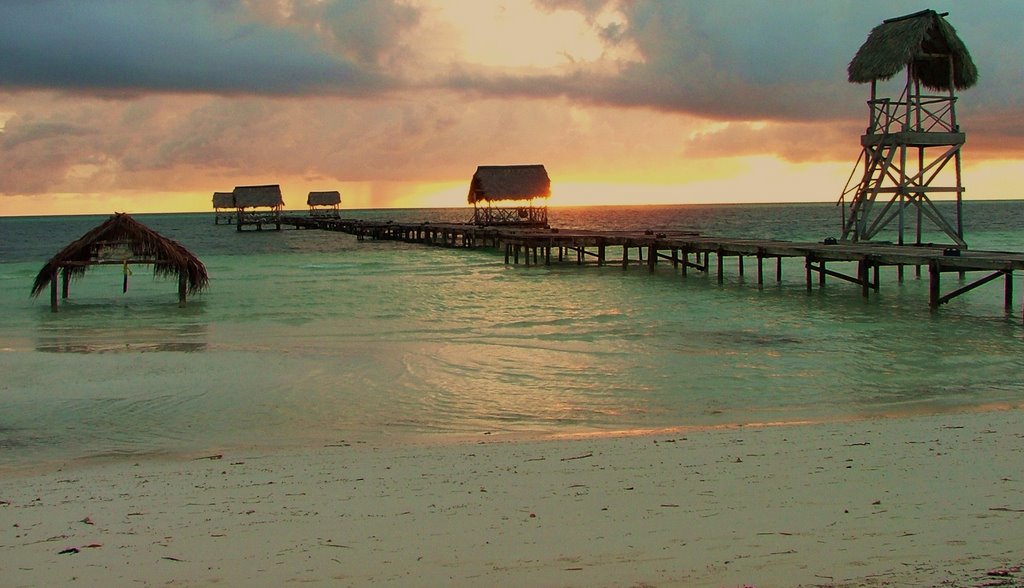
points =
(312, 338)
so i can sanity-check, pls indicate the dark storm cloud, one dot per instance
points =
(782, 60)
(139, 46)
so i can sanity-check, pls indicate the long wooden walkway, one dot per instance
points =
(692, 251)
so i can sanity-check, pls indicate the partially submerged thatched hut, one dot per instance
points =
(266, 196)
(122, 240)
(223, 207)
(497, 183)
(324, 204)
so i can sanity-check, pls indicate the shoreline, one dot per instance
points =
(923, 499)
(388, 440)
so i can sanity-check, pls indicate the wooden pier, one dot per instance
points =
(690, 251)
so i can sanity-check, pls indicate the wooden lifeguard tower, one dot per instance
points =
(258, 205)
(911, 139)
(510, 183)
(223, 208)
(122, 240)
(324, 204)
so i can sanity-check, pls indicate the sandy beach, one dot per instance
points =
(920, 501)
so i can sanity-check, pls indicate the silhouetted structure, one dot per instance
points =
(324, 204)
(249, 200)
(912, 138)
(506, 183)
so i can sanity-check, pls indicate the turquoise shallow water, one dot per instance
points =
(307, 338)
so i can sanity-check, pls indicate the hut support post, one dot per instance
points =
(182, 290)
(53, 291)
(65, 279)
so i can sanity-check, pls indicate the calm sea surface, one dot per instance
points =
(308, 338)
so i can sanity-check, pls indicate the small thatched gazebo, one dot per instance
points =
(223, 207)
(496, 183)
(913, 133)
(255, 197)
(122, 240)
(324, 204)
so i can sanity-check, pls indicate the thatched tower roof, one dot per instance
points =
(123, 234)
(509, 182)
(899, 41)
(252, 196)
(329, 198)
(223, 200)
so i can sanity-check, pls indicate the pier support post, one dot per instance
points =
(686, 261)
(807, 271)
(721, 267)
(821, 274)
(625, 255)
(778, 269)
(508, 251)
(862, 276)
(1008, 290)
(740, 264)
(652, 257)
(600, 254)
(933, 285)
(760, 271)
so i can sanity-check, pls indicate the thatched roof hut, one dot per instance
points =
(509, 182)
(123, 240)
(255, 196)
(329, 198)
(915, 38)
(223, 200)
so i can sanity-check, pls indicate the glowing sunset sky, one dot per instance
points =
(150, 105)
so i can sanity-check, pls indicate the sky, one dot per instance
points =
(151, 106)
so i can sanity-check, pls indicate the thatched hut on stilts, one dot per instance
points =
(122, 240)
(912, 136)
(324, 204)
(258, 197)
(497, 183)
(223, 207)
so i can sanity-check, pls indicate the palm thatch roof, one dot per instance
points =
(121, 234)
(509, 182)
(329, 198)
(921, 36)
(253, 196)
(223, 200)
